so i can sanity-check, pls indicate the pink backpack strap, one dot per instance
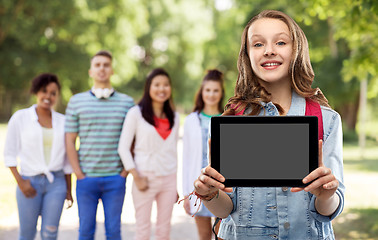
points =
(240, 112)
(313, 109)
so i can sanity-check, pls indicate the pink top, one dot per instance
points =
(162, 127)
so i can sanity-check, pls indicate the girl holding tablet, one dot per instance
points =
(208, 103)
(275, 77)
(154, 124)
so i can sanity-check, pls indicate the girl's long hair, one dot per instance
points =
(212, 75)
(248, 90)
(146, 102)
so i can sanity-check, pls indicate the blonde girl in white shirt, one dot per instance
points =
(155, 125)
(36, 137)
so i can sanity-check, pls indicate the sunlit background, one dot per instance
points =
(187, 38)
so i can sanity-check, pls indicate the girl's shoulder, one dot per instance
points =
(331, 120)
(24, 113)
(177, 119)
(192, 115)
(134, 110)
(192, 118)
(329, 113)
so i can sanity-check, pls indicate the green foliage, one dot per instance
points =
(184, 37)
(357, 25)
(37, 37)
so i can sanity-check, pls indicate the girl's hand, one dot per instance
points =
(324, 183)
(26, 188)
(209, 181)
(124, 173)
(141, 183)
(69, 199)
(80, 176)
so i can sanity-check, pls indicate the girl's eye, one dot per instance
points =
(257, 45)
(281, 43)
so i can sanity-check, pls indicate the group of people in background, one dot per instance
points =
(118, 137)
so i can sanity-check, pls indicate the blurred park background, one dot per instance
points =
(186, 38)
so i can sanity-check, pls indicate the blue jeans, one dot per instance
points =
(111, 190)
(48, 203)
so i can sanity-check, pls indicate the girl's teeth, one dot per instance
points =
(270, 64)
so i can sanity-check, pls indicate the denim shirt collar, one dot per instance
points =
(297, 107)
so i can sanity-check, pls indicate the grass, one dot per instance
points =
(358, 221)
(365, 161)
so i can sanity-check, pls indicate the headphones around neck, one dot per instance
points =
(102, 92)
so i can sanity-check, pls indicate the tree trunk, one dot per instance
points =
(348, 113)
(6, 106)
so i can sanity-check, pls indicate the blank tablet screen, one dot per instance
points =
(276, 149)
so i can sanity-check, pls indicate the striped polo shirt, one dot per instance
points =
(98, 123)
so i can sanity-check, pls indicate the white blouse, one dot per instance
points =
(192, 157)
(25, 141)
(152, 152)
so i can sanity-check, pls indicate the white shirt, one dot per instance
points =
(152, 152)
(192, 157)
(25, 141)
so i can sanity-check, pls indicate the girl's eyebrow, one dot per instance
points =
(277, 34)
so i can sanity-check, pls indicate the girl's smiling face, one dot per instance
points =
(160, 89)
(212, 92)
(47, 96)
(270, 49)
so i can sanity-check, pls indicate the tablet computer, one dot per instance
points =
(254, 151)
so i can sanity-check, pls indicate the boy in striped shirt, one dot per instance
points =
(96, 117)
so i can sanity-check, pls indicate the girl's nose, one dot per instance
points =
(269, 50)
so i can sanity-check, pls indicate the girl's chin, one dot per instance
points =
(44, 106)
(160, 100)
(211, 104)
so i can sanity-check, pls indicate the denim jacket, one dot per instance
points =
(277, 213)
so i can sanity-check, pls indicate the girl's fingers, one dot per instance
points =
(319, 172)
(320, 182)
(201, 188)
(331, 185)
(320, 159)
(32, 192)
(212, 173)
(210, 182)
(296, 189)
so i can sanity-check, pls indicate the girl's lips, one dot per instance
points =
(271, 65)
